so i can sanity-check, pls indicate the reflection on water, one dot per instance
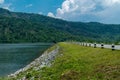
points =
(16, 56)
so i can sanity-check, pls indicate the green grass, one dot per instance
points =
(83, 63)
(76, 62)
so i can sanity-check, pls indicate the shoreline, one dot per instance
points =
(40, 62)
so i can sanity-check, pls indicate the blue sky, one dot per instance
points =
(32, 6)
(104, 11)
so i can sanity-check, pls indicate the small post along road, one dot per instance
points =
(108, 46)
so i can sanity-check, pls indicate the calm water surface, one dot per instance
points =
(16, 56)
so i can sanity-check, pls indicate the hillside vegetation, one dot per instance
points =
(76, 62)
(25, 27)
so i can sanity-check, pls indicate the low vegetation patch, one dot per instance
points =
(83, 63)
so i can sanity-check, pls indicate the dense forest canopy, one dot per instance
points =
(24, 27)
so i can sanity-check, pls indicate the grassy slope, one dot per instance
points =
(81, 63)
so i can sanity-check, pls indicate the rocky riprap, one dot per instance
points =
(44, 60)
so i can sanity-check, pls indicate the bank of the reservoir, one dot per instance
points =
(73, 62)
(44, 60)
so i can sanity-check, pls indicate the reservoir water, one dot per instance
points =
(16, 56)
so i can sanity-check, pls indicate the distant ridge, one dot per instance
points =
(26, 27)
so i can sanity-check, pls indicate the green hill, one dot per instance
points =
(75, 62)
(26, 27)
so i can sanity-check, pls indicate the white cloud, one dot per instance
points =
(29, 5)
(1, 1)
(7, 6)
(51, 14)
(89, 10)
(110, 2)
(78, 6)
(40, 12)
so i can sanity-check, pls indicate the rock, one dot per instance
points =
(44, 60)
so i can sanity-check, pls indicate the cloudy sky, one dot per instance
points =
(105, 11)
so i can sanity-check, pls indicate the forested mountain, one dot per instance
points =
(24, 27)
